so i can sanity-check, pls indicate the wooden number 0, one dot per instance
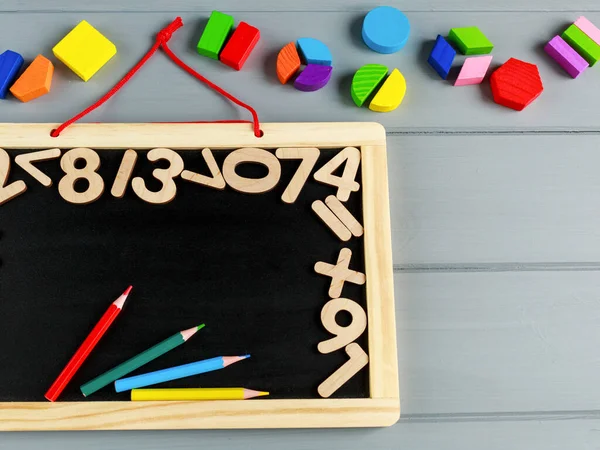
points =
(13, 189)
(252, 185)
(165, 176)
(343, 335)
(66, 186)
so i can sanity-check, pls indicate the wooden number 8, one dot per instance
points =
(165, 176)
(343, 335)
(66, 186)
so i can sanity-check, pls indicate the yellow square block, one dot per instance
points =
(84, 50)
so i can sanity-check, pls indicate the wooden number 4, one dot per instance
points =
(309, 157)
(12, 190)
(346, 183)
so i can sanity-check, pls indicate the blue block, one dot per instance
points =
(314, 51)
(441, 57)
(10, 64)
(385, 29)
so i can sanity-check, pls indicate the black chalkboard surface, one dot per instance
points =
(240, 263)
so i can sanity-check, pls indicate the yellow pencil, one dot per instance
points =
(193, 394)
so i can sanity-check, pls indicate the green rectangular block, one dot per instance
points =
(585, 46)
(214, 35)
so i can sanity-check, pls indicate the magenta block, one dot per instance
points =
(565, 56)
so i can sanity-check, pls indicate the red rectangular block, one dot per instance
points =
(240, 45)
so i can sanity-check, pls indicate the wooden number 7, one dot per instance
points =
(12, 190)
(309, 158)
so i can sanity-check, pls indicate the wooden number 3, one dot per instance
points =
(66, 186)
(343, 335)
(165, 176)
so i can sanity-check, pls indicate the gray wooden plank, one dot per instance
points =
(294, 5)
(161, 91)
(491, 199)
(573, 433)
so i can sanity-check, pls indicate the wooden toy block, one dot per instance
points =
(35, 81)
(566, 56)
(581, 42)
(240, 45)
(470, 41)
(288, 62)
(84, 50)
(588, 28)
(10, 64)
(314, 52)
(391, 93)
(313, 78)
(441, 57)
(516, 84)
(365, 81)
(214, 35)
(385, 29)
(473, 70)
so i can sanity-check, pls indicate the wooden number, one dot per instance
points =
(13, 189)
(66, 186)
(343, 335)
(252, 185)
(309, 158)
(24, 161)
(358, 360)
(124, 174)
(346, 183)
(165, 176)
(216, 179)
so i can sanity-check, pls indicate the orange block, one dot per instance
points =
(35, 81)
(288, 62)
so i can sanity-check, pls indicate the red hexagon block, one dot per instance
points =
(516, 84)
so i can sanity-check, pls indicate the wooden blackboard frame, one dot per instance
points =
(383, 406)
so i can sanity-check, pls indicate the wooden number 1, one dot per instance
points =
(343, 335)
(309, 157)
(13, 189)
(165, 176)
(358, 360)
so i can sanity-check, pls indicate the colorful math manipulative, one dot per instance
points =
(311, 52)
(10, 64)
(473, 70)
(385, 29)
(516, 84)
(368, 79)
(84, 50)
(233, 52)
(441, 57)
(577, 48)
(35, 81)
(470, 41)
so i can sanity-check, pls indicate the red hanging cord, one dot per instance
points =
(161, 41)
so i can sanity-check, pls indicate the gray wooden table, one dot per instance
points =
(494, 213)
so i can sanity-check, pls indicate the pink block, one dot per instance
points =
(473, 70)
(588, 28)
(564, 55)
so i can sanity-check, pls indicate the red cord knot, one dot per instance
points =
(165, 34)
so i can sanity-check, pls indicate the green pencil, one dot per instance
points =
(138, 361)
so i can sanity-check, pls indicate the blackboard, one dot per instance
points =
(240, 263)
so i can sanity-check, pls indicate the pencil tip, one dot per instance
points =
(199, 327)
(127, 291)
(245, 356)
(262, 393)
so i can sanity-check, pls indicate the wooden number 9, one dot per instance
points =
(343, 335)
(66, 186)
(165, 176)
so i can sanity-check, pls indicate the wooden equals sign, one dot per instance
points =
(337, 217)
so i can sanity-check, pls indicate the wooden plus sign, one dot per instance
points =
(340, 273)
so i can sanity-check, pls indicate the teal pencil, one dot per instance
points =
(138, 361)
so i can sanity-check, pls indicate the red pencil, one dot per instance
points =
(86, 348)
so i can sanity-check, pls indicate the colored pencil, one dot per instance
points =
(138, 361)
(87, 346)
(193, 394)
(174, 373)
